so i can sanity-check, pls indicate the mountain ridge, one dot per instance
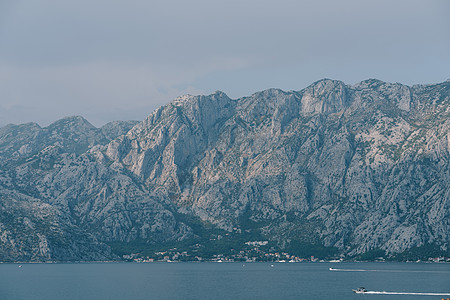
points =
(356, 168)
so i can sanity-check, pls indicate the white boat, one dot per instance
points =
(360, 290)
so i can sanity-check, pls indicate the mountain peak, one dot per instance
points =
(219, 93)
(72, 121)
(328, 81)
(182, 99)
(369, 83)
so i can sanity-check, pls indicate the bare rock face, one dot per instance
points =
(31, 230)
(366, 162)
(71, 197)
(358, 168)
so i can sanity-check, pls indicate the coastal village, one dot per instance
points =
(254, 253)
(173, 255)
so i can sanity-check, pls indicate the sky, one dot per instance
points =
(119, 60)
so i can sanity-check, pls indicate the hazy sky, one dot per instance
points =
(116, 60)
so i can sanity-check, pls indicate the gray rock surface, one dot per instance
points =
(353, 167)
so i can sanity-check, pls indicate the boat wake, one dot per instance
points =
(405, 293)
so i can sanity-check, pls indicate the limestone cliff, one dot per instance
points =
(353, 167)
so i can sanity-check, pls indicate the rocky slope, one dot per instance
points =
(356, 168)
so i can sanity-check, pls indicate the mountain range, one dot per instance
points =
(351, 169)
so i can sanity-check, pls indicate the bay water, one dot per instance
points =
(223, 281)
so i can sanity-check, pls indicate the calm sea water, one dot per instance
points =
(221, 280)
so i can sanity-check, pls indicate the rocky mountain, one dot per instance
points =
(352, 168)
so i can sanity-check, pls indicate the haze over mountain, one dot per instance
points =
(116, 60)
(354, 168)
